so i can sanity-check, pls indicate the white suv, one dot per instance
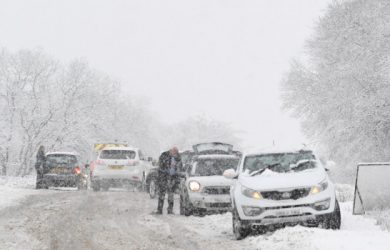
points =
(280, 188)
(118, 167)
(204, 188)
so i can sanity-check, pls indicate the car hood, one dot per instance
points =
(217, 180)
(270, 180)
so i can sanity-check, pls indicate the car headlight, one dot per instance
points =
(194, 186)
(251, 193)
(319, 188)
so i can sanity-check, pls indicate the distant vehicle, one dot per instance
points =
(120, 167)
(204, 189)
(279, 188)
(63, 169)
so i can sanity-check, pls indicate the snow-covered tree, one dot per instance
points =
(70, 107)
(341, 90)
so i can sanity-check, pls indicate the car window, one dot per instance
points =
(209, 167)
(55, 160)
(117, 154)
(280, 162)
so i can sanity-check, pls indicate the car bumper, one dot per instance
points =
(115, 175)
(59, 180)
(285, 211)
(210, 202)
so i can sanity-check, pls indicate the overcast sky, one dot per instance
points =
(222, 59)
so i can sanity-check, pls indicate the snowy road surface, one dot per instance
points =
(67, 219)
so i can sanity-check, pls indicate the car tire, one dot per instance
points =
(152, 189)
(96, 186)
(332, 220)
(239, 230)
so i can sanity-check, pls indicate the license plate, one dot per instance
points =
(288, 212)
(116, 167)
(59, 170)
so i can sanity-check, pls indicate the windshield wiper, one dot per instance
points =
(258, 172)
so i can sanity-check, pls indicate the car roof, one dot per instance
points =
(120, 148)
(278, 151)
(62, 153)
(217, 156)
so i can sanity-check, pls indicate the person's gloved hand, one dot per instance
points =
(172, 171)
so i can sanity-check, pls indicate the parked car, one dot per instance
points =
(204, 189)
(63, 169)
(280, 188)
(120, 167)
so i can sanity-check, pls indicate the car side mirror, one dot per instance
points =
(181, 174)
(86, 165)
(330, 165)
(150, 159)
(230, 174)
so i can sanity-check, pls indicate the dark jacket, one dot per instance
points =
(40, 163)
(165, 171)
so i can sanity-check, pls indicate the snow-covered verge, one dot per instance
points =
(357, 232)
(15, 189)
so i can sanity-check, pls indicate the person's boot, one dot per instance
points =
(160, 206)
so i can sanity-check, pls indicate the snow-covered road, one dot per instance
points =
(68, 219)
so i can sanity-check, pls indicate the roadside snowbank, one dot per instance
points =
(357, 232)
(15, 189)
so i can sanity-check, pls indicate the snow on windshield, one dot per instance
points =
(280, 162)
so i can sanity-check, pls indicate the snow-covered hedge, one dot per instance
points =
(344, 192)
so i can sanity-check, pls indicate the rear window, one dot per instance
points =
(56, 160)
(117, 154)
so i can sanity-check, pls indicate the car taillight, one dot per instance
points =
(132, 163)
(77, 170)
(99, 162)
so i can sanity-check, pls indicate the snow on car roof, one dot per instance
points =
(217, 156)
(277, 150)
(62, 153)
(120, 148)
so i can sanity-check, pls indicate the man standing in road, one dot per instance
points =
(40, 166)
(168, 166)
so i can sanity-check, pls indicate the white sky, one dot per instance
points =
(223, 59)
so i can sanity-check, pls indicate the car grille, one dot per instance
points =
(216, 190)
(286, 195)
(218, 205)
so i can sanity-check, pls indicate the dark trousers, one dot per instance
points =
(39, 181)
(166, 186)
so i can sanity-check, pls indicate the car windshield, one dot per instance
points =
(209, 167)
(280, 162)
(117, 154)
(55, 160)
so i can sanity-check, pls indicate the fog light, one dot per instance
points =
(322, 205)
(252, 211)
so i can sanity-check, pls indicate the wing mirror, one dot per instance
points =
(86, 165)
(330, 165)
(230, 174)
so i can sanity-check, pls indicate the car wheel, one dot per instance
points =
(152, 189)
(239, 230)
(96, 186)
(333, 220)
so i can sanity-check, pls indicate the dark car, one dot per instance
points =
(63, 169)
